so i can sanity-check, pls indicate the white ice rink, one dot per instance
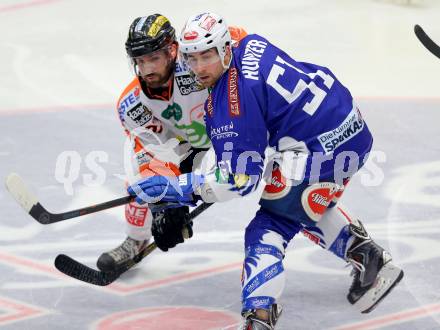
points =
(62, 68)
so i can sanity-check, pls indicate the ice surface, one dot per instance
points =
(63, 65)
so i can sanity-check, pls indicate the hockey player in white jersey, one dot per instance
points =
(161, 111)
(262, 98)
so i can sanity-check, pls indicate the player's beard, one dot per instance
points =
(156, 80)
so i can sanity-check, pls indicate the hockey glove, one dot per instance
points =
(167, 189)
(170, 227)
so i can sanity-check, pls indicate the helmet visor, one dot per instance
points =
(150, 63)
(201, 59)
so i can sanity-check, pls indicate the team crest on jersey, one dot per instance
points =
(173, 111)
(233, 97)
(187, 84)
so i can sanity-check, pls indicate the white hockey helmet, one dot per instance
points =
(205, 31)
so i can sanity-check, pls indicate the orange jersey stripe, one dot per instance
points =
(237, 34)
(155, 166)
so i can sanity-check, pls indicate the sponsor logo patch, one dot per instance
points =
(198, 17)
(261, 302)
(233, 98)
(143, 157)
(316, 198)
(156, 26)
(129, 102)
(181, 67)
(190, 35)
(222, 132)
(277, 187)
(187, 84)
(208, 23)
(271, 272)
(315, 239)
(140, 115)
(209, 106)
(349, 128)
(255, 283)
(136, 215)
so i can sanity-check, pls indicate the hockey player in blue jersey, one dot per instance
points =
(261, 99)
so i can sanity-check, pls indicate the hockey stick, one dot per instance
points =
(30, 203)
(75, 269)
(427, 41)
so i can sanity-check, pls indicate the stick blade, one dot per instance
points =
(81, 272)
(426, 41)
(18, 189)
(418, 29)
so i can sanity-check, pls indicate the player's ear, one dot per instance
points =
(228, 54)
(173, 50)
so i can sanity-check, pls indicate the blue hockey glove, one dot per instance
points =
(157, 188)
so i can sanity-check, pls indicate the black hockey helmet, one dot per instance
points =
(148, 34)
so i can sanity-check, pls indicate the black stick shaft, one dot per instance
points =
(39, 213)
(199, 209)
(97, 207)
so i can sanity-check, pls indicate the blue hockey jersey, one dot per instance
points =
(267, 99)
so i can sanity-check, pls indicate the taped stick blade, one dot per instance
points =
(18, 189)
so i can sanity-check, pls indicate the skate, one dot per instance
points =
(252, 322)
(120, 256)
(374, 274)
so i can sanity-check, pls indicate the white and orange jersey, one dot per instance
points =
(153, 122)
